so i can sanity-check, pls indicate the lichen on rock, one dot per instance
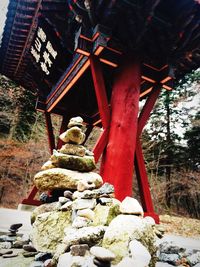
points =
(58, 178)
(48, 230)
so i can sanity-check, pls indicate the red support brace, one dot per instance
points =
(141, 173)
(50, 131)
(30, 199)
(100, 91)
(143, 183)
(118, 159)
(100, 145)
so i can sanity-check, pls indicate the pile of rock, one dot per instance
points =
(174, 255)
(87, 226)
(12, 242)
(81, 223)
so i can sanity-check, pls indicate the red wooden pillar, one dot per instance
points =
(50, 134)
(118, 159)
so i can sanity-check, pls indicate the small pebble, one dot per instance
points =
(79, 250)
(12, 234)
(68, 194)
(18, 244)
(28, 254)
(100, 263)
(5, 251)
(10, 255)
(29, 248)
(42, 256)
(63, 200)
(15, 226)
(66, 206)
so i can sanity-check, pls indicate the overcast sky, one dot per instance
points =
(3, 11)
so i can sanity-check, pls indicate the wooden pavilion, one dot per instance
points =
(98, 59)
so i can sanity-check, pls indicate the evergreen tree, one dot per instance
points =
(192, 136)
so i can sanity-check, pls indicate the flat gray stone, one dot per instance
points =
(5, 251)
(169, 258)
(28, 254)
(6, 256)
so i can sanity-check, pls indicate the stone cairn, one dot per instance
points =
(82, 224)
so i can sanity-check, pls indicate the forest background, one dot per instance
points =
(171, 144)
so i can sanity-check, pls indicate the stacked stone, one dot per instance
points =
(72, 154)
(70, 164)
(87, 225)
(14, 229)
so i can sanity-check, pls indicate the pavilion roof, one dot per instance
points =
(163, 33)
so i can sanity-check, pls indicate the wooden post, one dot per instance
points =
(49, 128)
(118, 159)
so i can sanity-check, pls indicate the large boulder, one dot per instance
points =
(58, 178)
(42, 209)
(125, 228)
(48, 230)
(83, 164)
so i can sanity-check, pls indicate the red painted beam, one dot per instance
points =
(49, 128)
(118, 159)
(100, 91)
(143, 183)
(30, 199)
(100, 145)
